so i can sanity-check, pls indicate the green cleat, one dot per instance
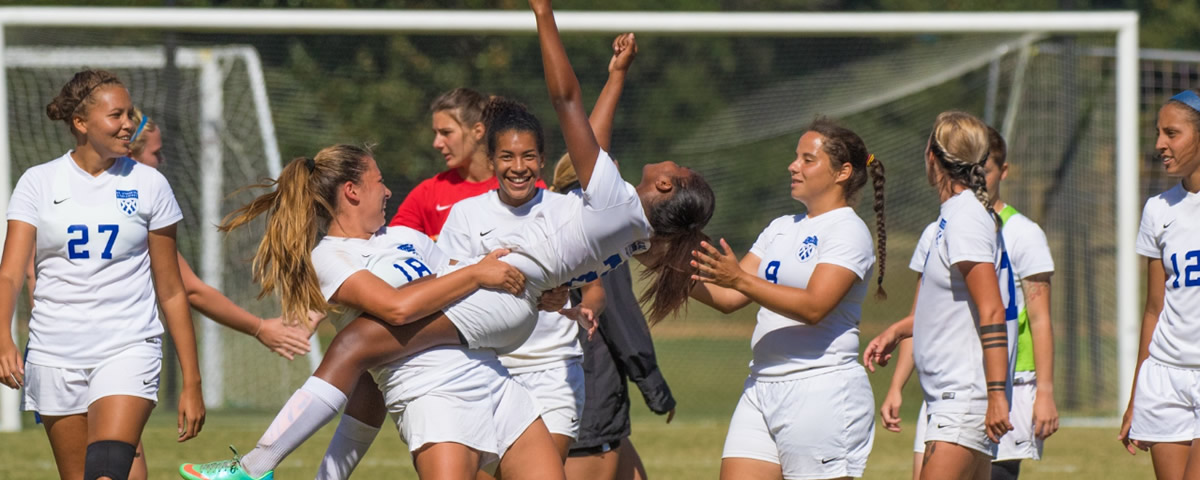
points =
(222, 470)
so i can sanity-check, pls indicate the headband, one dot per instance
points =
(145, 118)
(1189, 98)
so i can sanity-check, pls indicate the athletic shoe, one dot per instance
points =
(222, 470)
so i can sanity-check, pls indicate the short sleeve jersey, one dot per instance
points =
(427, 206)
(397, 255)
(946, 347)
(1029, 254)
(554, 341)
(1170, 231)
(917, 264)
(790, 249)
(95, 294)
(575, 246)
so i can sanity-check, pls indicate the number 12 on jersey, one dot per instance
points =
(1191, 272)
(76, 246)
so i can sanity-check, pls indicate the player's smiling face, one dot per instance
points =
(518, 165)
(373, 196)
(456, 143)
(1178, 142)
(812, 171)
(107, 123)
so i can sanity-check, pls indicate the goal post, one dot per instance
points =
(1122, 25)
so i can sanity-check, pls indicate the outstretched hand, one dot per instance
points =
(718, 267)
(285, 340)
(624, 50)
(584, 316)
(879, 351)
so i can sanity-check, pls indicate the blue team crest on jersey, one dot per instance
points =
(127, 201)
(407, 247)
(807, 248)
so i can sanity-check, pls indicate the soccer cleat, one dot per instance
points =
(221, 470)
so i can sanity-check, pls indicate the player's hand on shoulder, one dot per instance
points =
(554, 300)
(624, 51)
(493, 273)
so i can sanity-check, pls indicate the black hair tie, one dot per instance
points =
(308, 162)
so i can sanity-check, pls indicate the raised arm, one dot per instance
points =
(565, 94)
(601, 120)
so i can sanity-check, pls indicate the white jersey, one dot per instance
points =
(94, 295)
(397, 255)
(917, 264)
(1170, 231)
(946, 346)
(577, 245)
(554, 341)
(790, 249)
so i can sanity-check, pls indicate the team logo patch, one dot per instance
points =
(806, 250)
(127, 201)
(640, 246)
(407, 247)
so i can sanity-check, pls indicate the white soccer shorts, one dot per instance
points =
(1021, 443)
(822, 426)
(1166, 403)
(560, 391)
(54, 391)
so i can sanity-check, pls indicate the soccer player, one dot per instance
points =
(1162, 413)
(104, 230)
(458, 134)
(1029, 268)
(613, 221)
(806, 410)
(960, 340)
(548, 363)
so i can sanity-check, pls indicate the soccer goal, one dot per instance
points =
(725, 93)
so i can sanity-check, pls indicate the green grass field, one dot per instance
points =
(706, 375)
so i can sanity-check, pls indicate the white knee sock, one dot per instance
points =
(309, 409)
(350, 442)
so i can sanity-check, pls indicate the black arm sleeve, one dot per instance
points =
(628, 339)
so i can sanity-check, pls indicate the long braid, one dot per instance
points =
(875, 167)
